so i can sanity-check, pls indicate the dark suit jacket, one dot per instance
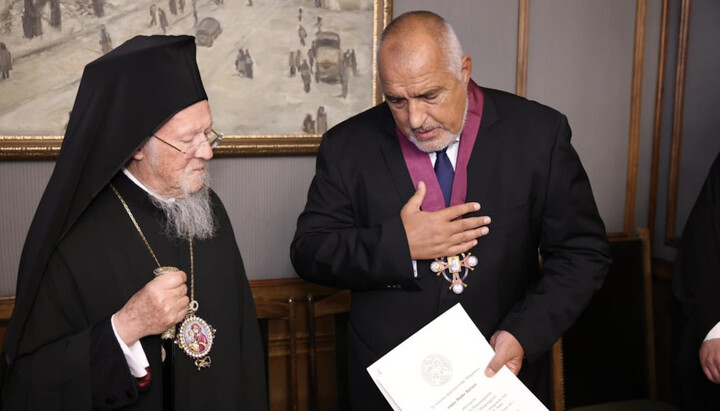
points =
(527, 178)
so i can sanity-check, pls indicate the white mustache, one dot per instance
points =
(424, 129)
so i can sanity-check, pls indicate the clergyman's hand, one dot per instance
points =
(508, 351)
(434, 234)
(710, 359)
(159, 305)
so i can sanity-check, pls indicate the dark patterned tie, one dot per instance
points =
(445, 174)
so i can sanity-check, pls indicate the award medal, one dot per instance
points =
(195, 336)
(452, 267)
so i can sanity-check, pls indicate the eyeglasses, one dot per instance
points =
(213, 138)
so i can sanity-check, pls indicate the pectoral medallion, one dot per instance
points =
(451, 267)
(195, 337)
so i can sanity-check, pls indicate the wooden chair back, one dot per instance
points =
(608, 355)
(268, 310)
(337, 306)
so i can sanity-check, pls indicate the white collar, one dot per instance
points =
(141, 185)
(452, 152)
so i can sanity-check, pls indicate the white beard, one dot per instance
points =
(190, 216)
(441, 145)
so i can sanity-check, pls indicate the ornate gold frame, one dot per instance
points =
(48, 147)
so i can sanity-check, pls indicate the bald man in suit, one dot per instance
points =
(382, 207)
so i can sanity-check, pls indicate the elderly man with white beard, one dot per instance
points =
(95, 325)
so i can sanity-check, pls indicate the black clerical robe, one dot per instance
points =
(69, 358)
(696, 286)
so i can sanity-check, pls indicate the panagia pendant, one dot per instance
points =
(195, 336)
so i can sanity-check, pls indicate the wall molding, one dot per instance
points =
(523, 32)
(671, 238)
(657, 119)
(635, 117)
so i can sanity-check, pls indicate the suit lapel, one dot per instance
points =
(485, 154)
(399, 174)
(481, 170)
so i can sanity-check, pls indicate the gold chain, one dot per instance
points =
(147, 244)
(192, 272)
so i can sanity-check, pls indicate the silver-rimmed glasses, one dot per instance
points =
(213, 138)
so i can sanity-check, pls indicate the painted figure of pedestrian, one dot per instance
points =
(240, 62)
(343, 82)
(318, 24)
(194, 4)
(321, 124)
(97, 5)
(153, 15)
(300, 14)
(318, 3)
(353, 62)
(305, 74)
(105, 40)
(308, 125)
(55, 15)
(302, 34)
(291, 62)
(248, 64)
(5, 62)
(311, 58)
(298, 59)
(172, 5)
(163, 20)
(181, 4)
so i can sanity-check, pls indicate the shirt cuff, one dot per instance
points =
(414, 263)
(134, 354)
(714, 333)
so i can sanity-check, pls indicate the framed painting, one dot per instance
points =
(278, 73)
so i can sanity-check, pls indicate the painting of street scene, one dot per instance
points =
(270, 67)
